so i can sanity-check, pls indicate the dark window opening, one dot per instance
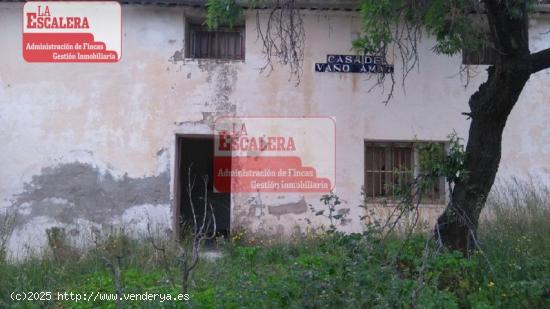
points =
(486, 55)
(222, 43)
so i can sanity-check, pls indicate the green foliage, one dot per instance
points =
(456, 25)
(225, 12)
(59, 244)
(435, 162)
(222, 13)
(56, 237)
(7, 224)
(399, 21)
(377, 17)
(331, 270)
(331, 202)
(453, 25)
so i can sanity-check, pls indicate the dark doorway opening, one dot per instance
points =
(195, 155)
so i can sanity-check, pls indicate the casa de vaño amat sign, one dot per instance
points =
(354, 64)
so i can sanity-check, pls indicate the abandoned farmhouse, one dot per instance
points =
(89, 146)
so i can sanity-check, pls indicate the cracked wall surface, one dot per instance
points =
(87, 146)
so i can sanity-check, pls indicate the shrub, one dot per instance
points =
(325, 270)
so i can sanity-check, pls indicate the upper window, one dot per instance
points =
(389, 165)
(484, 56)
(223, 43)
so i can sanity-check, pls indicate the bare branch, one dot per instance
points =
(162, 250)
(283, 37)
(190, 185)
(116, 275)
(189, 252)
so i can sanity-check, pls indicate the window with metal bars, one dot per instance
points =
(486, 55)
(223, 43)
(390, 166)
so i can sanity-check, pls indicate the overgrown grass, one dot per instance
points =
(326, 271)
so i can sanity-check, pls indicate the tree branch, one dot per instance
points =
(540, 60)
(510, 31)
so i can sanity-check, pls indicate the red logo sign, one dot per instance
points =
(72, 31)
(274, 154)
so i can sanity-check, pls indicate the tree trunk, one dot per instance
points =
(490, 107)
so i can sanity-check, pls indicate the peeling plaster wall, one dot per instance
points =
(87, 146)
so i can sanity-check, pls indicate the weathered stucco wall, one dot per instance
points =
(92, 145)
